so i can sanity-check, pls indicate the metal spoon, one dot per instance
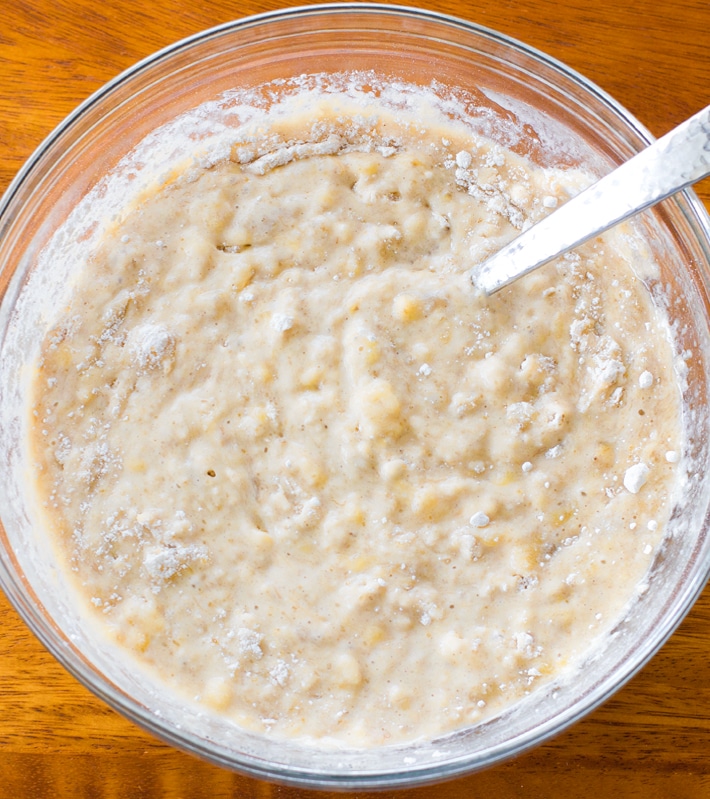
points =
(674, 162)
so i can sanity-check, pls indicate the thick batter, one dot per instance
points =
(311, 478)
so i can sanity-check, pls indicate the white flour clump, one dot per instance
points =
(151, 346)
(165, 561)
(645, 379)
(635, 477)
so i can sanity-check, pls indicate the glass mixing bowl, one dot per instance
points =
(518, 96)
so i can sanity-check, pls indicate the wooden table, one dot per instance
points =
(56, 740)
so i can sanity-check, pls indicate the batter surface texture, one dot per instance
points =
(302, 471)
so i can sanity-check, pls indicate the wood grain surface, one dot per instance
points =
(56, 740)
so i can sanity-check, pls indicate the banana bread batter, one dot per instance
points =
(308, 476)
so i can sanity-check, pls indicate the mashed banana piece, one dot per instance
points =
(302, 471)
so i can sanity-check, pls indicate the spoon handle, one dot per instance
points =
(675, 161)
